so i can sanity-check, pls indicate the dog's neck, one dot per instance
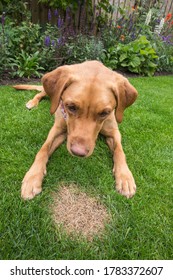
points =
(64, 114)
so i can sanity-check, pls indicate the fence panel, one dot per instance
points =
(40, 11)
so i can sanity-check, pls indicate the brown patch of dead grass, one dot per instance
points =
(79, 213)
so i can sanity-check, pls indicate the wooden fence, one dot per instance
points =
(42, 13)
(166, 6)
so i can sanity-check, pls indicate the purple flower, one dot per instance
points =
(133, 36)
(60, 22)
(53, 42)
(47, 41)
(157, 21)
(49, 15)
(59, 41)
(167, 39)
(164, 38)
(56, 13)
(130, 23)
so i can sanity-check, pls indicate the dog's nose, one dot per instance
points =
(79, 150)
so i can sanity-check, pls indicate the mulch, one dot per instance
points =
(7, 80)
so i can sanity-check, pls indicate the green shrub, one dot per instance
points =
(23, 48)
(81, 48)
(50, 50)
(4, 61)
(26, 65)
(165, 56)
(25, 36)
(137, 56)
(4, 57)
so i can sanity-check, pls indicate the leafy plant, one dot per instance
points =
(137, 56)
(26, 65)
(25, 36)
(110, 58)
(4, 51)
(83, 48)
(103, 12)
(15, 9)
(4, 59)
(165, 55)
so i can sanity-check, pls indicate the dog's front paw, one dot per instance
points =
(31, 104)
(125, 183)
(31, 185)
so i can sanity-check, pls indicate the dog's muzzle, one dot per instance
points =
(79, 150)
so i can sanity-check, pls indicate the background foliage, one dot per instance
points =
(138, 39)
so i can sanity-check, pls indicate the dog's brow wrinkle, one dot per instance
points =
(88, 111)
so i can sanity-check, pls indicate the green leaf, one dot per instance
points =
(151, 64)
(123, 56)
(136, 61)
(124, 64)
(143, 52)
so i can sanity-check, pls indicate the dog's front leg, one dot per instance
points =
(32, 182)
(125, 183)
(35, 101)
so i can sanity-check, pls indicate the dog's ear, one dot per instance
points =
(54, 83)
(125, 95)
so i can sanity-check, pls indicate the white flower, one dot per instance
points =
(158, 28)
(148, 18)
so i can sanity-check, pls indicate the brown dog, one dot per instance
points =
(87, 99)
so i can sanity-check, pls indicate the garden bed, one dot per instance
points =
(139, 41)
(6, 80)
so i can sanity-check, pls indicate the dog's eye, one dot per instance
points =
(72, 108)
(104, 114)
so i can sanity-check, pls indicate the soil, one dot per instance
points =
(7, 80)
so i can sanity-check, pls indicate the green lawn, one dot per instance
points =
(140, 228)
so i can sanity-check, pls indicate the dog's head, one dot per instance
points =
(90, 93)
